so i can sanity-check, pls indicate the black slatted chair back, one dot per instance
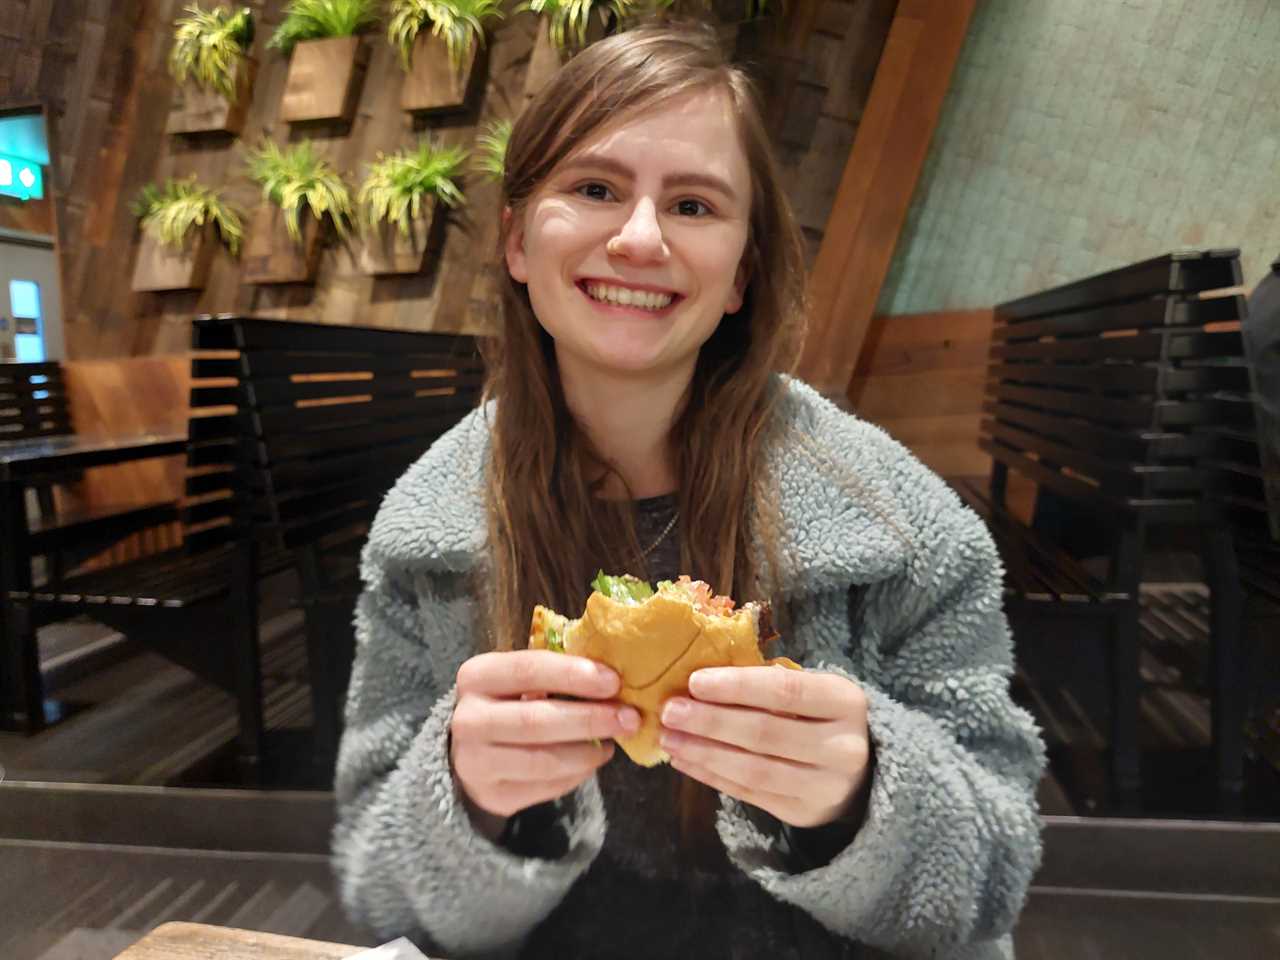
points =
(33, 401)
(1097, 389)
(329, 417)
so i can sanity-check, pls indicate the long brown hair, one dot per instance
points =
(548, 528)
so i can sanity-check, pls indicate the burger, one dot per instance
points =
(654, 639)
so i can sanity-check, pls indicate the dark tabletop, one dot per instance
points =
(22, 459)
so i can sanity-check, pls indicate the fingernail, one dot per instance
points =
(629, 719)
(675, 712)
(605, 673)
(670, 742)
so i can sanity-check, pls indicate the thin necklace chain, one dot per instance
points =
(662, 536)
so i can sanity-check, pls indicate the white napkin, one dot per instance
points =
(401, 949)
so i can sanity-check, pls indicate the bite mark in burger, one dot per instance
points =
(655, 639)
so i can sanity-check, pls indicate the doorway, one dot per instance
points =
(30, 302)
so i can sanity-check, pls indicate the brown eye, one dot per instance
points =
(692, 208)
(594, 191)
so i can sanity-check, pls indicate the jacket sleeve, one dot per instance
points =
(951, 836)
(408, 860)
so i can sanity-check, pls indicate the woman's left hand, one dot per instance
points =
(793, 742)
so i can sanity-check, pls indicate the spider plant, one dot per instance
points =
(297, 175)
(318, 19)
(460, 22)
(570, 17)
(491, 160)
(398, 183)
(170, 213)
(208, 46)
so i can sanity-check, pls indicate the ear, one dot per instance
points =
(739, 289)
(517, 265)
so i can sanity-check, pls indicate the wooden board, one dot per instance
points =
(131, 395)
(196, 110)
(878, 182)
(324, 80)
(199, 941)
(922, 377)
(272, 256)
(432, 85)
(160, 267)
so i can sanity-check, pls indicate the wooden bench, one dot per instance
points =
(1243, 465)
(331, 417)
(1096, 393)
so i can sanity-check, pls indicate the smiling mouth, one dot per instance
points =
(644, 301)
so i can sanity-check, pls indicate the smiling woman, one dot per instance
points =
(639, 419)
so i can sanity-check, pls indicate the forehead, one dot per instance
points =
(698, 132)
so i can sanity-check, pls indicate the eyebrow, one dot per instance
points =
(690, 179)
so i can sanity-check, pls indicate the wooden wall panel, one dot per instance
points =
(921, 377)
(130, 395)
(878, 182)
(100, 66)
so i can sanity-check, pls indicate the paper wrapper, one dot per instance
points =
(401, 949)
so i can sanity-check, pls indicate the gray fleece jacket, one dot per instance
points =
(941, 864)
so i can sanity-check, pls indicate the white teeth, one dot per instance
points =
(627, 297)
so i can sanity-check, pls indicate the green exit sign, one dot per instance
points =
(20, 178)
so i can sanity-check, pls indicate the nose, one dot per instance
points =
(641, 236)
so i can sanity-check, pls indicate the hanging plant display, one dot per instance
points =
(438, 41)
(177, 222)
(399, 202)
(213, 71)
(567, 26)
(301, 191)
(327, 58)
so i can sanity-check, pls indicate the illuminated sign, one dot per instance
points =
(20, 178)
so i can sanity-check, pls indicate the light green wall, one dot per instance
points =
(1081, 135)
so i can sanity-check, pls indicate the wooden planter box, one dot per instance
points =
(432, 85)
(271, 256)
(324, 80)
(196, 110)
(161, 267)
(545, 59)
(387, 251)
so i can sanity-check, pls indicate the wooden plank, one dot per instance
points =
(194, 941)
(916, 343)
(875, 191)
(919, 395)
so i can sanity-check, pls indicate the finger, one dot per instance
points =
(510, 797)
(755, 730)
(804, 693)
(766, 774)
(542, 721)
(501, 763)
(515, 672)
(770, 802)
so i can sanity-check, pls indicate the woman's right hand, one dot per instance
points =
(512, 747)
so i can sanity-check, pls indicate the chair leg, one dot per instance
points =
(1230, 694)
(245, 648)
(320, 670)
(1126, 678)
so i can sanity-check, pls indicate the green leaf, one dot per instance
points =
(624, 589)
(170, 213)
(208, 47)
(299, 175)
(318, 19)
(396, 184)
(460, 23)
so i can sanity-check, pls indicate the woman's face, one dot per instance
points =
(632, 249)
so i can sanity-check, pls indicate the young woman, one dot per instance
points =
(637, 422)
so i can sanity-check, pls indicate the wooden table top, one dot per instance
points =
(198, 941)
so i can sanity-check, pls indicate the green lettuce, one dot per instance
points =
(624, 589)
